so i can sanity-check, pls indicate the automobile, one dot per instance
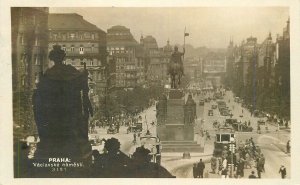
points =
(201, 102)
(112, 129)
(210, 112)
(214, 106)
(231, 121)
(225, 113)
(137, 127)
(261, 122)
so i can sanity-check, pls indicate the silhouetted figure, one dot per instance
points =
(201, 167)
(195, 171)
(282, 171)
(113, 163)
(61, 110)
(288, 147)
(143, 167)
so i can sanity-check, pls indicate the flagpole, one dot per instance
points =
(184, 42)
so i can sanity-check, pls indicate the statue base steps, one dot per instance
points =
(181, 146)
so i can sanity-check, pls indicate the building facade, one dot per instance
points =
(29, 30)
(29, 46)
(126, 57)
(157, 61)
(83, 42)
(261, 73)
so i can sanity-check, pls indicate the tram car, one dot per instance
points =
(152, 143)
(224, 137)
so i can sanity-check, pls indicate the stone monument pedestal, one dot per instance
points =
(174, 133)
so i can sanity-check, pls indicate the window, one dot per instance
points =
(36, 60)
(72, 35)
(33, 19)
(36, 41)
(93, 36)
(87, 35)
(92, 63)
(64, 36)
(22, 38)
(81, 50)
(55, 36)
(92, 48)
(64, 48)
(72, 48)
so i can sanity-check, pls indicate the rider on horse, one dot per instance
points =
(176, 57)
(176, 67)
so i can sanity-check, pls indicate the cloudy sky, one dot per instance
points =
(208, 26)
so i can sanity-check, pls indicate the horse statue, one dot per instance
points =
(175, 68)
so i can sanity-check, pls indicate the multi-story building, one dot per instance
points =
(249, 54)
(83, 42)
(29, 28)
(193, 68)
(214, 67)
(157, 60)
(127, 56)
(282, 74)
(29, 46)
(266, 63)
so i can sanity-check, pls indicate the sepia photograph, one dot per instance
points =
(179, 92)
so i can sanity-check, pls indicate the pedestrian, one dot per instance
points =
(219, 165)
(258, 168)
(282, 171)
(207, 135)
(201, 167)
(258, 129)
(224, 173)
(252, 176)
(134, 137)
(288, 147)
(213, 163)
(248, 160)
(262, 160)
(195, 170)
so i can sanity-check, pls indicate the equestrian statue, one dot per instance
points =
(175, 68)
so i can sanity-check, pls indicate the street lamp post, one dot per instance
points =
(232, 150)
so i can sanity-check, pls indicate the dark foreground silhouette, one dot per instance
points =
(111, 164)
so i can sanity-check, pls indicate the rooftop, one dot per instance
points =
(70, 21)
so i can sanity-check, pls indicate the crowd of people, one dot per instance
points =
(113, 163)
(247, 156)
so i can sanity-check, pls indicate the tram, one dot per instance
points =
(224, 137)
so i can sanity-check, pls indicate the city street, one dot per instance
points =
(271, 143)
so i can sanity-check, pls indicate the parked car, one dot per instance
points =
(137, 127)
(201, 102)
(112, 129)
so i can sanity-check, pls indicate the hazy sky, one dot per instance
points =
(208, 26)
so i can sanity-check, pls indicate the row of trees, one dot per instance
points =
(128, 101)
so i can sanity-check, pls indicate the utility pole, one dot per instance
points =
(232, 151)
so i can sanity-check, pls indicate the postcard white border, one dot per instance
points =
(6, 154)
